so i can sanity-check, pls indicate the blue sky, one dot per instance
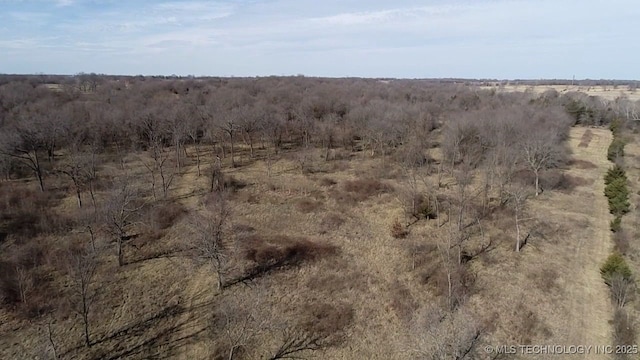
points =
(408, 39)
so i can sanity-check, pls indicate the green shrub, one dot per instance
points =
(616, 172)
(618, 194)
(617, 191)
(616, 149)
(615, 126)
(576, 109)
(616, 224)
(615, 265)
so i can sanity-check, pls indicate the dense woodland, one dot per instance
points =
(94, 171)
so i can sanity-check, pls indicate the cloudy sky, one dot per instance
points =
(404, 38)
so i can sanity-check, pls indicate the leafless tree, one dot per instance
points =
(155, 132)
(239, 323)
(24, 142)
(448, 335)
(24, 281)
(296, 342)
(51, 347)
(622, 288)
(119, 213)
(80, 168)
(54, 348)
(177, 119)
(210, 243)
(445, 250)
(518, 195)
(194, 129)
(250, 123)
(82, 271)
(541, 146)
(217, 175)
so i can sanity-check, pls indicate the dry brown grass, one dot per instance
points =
(569, 240)
(307, 205)
(331, 222)
(605, 92)
(339, 270)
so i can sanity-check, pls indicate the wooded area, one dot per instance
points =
(306, 202)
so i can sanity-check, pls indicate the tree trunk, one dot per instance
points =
(53, 344)
(178, 155)
(93, 238)
(233, 161)
(85, 319)
(220, 280)
(93, 196)
(537, 183)
(197, 158)
(38, 171)
(78, 193)
(450, 288)
(517, 228)
(120, 252)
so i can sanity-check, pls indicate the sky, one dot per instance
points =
(497, 39)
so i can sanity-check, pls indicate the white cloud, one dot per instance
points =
(397, 14)
(28, 16)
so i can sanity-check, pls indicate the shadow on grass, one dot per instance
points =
(158, 336)
(259, 270)
(160, 254)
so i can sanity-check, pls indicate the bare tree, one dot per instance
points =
(48, 326)
(177, 122)
(119, 213)
(210, 243)
(228, 123)
(518, 195)
(250, 124)
(217, 176)
(239, 323)
(447, 335)
(24, 143)
(24, 281)
(51, 342)
(82, 271)
(296, 342)
(80, 169)
(622, 289)
(541, 146)
(194, 128)
(155, 133)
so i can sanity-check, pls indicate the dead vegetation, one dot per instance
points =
(242, 220)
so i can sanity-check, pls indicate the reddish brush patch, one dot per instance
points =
(307, 205)
(365, 188)
(586, 139)
(355, 191)
(582, 164)
(285, 250)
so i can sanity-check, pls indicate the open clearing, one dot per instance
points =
(605, 92)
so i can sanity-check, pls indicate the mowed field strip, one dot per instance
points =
(591, 310)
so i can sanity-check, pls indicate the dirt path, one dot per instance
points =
(591, 308)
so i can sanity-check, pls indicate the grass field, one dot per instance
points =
(605, 92)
